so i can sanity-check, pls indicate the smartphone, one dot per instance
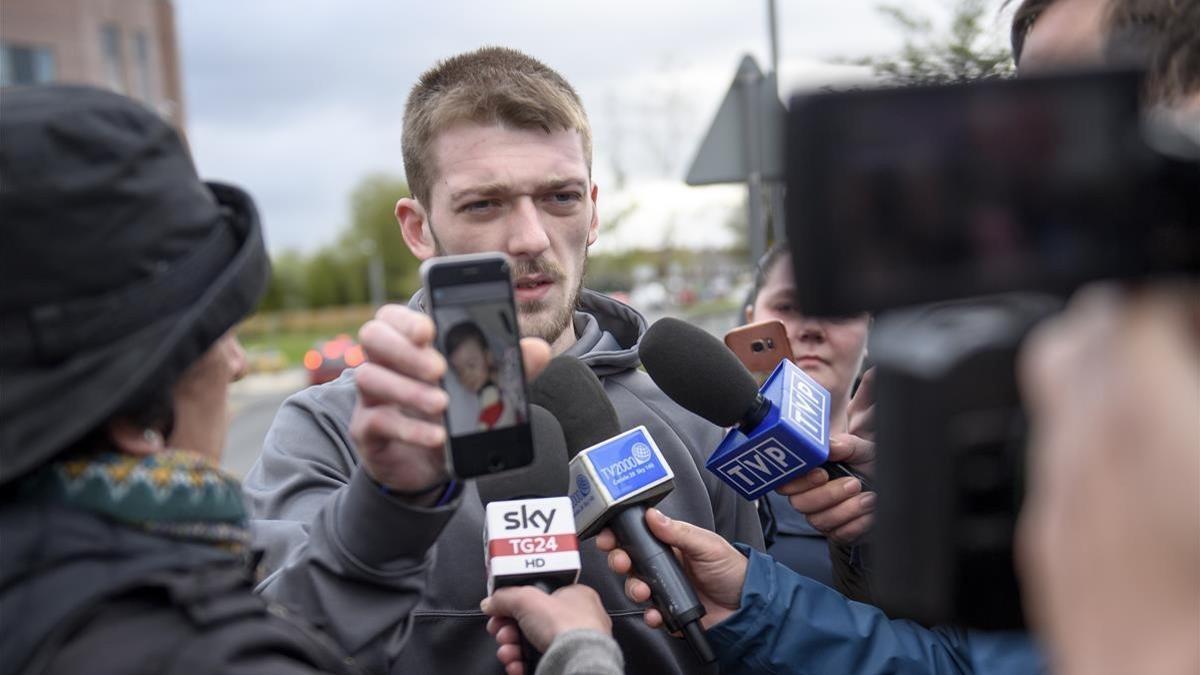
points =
(487, 419)
(760, 346)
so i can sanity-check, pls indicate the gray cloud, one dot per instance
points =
(298, 100)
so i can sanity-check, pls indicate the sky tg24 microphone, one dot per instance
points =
(531, 542)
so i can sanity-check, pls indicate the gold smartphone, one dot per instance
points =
(760, 346)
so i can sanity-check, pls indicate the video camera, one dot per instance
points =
(961, 215)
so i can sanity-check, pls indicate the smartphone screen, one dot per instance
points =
(487, 419)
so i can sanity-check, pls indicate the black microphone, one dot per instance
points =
(779, 431)
(614, 477)
(529, 527)
(545, 476)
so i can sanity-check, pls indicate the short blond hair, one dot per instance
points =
(490, 85)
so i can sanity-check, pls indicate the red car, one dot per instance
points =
(326, 360)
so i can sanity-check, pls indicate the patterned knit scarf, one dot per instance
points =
(174, 493)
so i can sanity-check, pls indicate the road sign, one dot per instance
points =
(751, 109)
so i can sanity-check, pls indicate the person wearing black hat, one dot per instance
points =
(125, 548)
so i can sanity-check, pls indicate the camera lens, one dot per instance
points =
(756, 346)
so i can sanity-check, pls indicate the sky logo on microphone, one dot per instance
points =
(527, 539)
(792, 439)
(625, 469)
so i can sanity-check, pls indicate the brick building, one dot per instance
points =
(125, 45)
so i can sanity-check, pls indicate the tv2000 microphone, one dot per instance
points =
(614, 477)
(779, 432)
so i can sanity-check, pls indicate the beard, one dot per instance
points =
(540, 318)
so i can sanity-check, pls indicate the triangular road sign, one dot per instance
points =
(751, 109)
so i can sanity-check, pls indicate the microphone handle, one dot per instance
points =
(530, 655)
(672, 594)
(839, 470)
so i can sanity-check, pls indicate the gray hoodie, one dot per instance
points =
(349, 557)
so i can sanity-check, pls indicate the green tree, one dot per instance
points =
(965, 53)
(286, 288)
(373, 229)
(330, 280)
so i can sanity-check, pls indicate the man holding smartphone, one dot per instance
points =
(351, 492)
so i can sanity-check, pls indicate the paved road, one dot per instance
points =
(253, 402)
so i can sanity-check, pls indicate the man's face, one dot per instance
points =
(525, 193)
(1068, 34)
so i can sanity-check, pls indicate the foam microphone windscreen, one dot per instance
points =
(697, 371)
(574, 395)
(546, 476)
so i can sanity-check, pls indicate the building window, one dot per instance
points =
(24, 64)
(141, 52)
(114, 62)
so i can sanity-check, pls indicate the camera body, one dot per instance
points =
(961, 215)
(951, 434)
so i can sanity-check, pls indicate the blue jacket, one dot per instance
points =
(788, 623)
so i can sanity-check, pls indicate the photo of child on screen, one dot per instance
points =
(473, 367)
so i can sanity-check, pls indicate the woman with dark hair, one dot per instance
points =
(125, 548)
(831, 351)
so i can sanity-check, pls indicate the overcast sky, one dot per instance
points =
(298, 100)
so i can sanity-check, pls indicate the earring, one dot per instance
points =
(152, 437)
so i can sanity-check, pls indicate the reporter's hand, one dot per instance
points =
(860, 414)
(541, 618)
(716, 569)
(397, 424)
(1109, 535)
(839, 509)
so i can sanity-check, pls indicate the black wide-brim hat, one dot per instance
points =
(119, 267)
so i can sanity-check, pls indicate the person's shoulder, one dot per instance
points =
(204, 619)
(636, 385)
(336, 396)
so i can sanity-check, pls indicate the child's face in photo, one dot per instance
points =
(472, 365)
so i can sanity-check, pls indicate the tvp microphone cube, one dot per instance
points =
(531, 540)
(625, 469)
(791, 440)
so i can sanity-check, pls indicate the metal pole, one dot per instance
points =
(773, 34)
(748, 80)
(375, 271)
(376, 284)
(778, 218)
(778, 222)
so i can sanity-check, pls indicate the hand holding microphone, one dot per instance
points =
(541, 617)
(716, 570)
(839, 508)
(530, 546)
(614, 477)
(778, 434)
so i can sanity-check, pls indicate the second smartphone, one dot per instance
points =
(760, 347)
(487, 420)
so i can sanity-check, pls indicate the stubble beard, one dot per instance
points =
(537, 318)
(529, 313)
